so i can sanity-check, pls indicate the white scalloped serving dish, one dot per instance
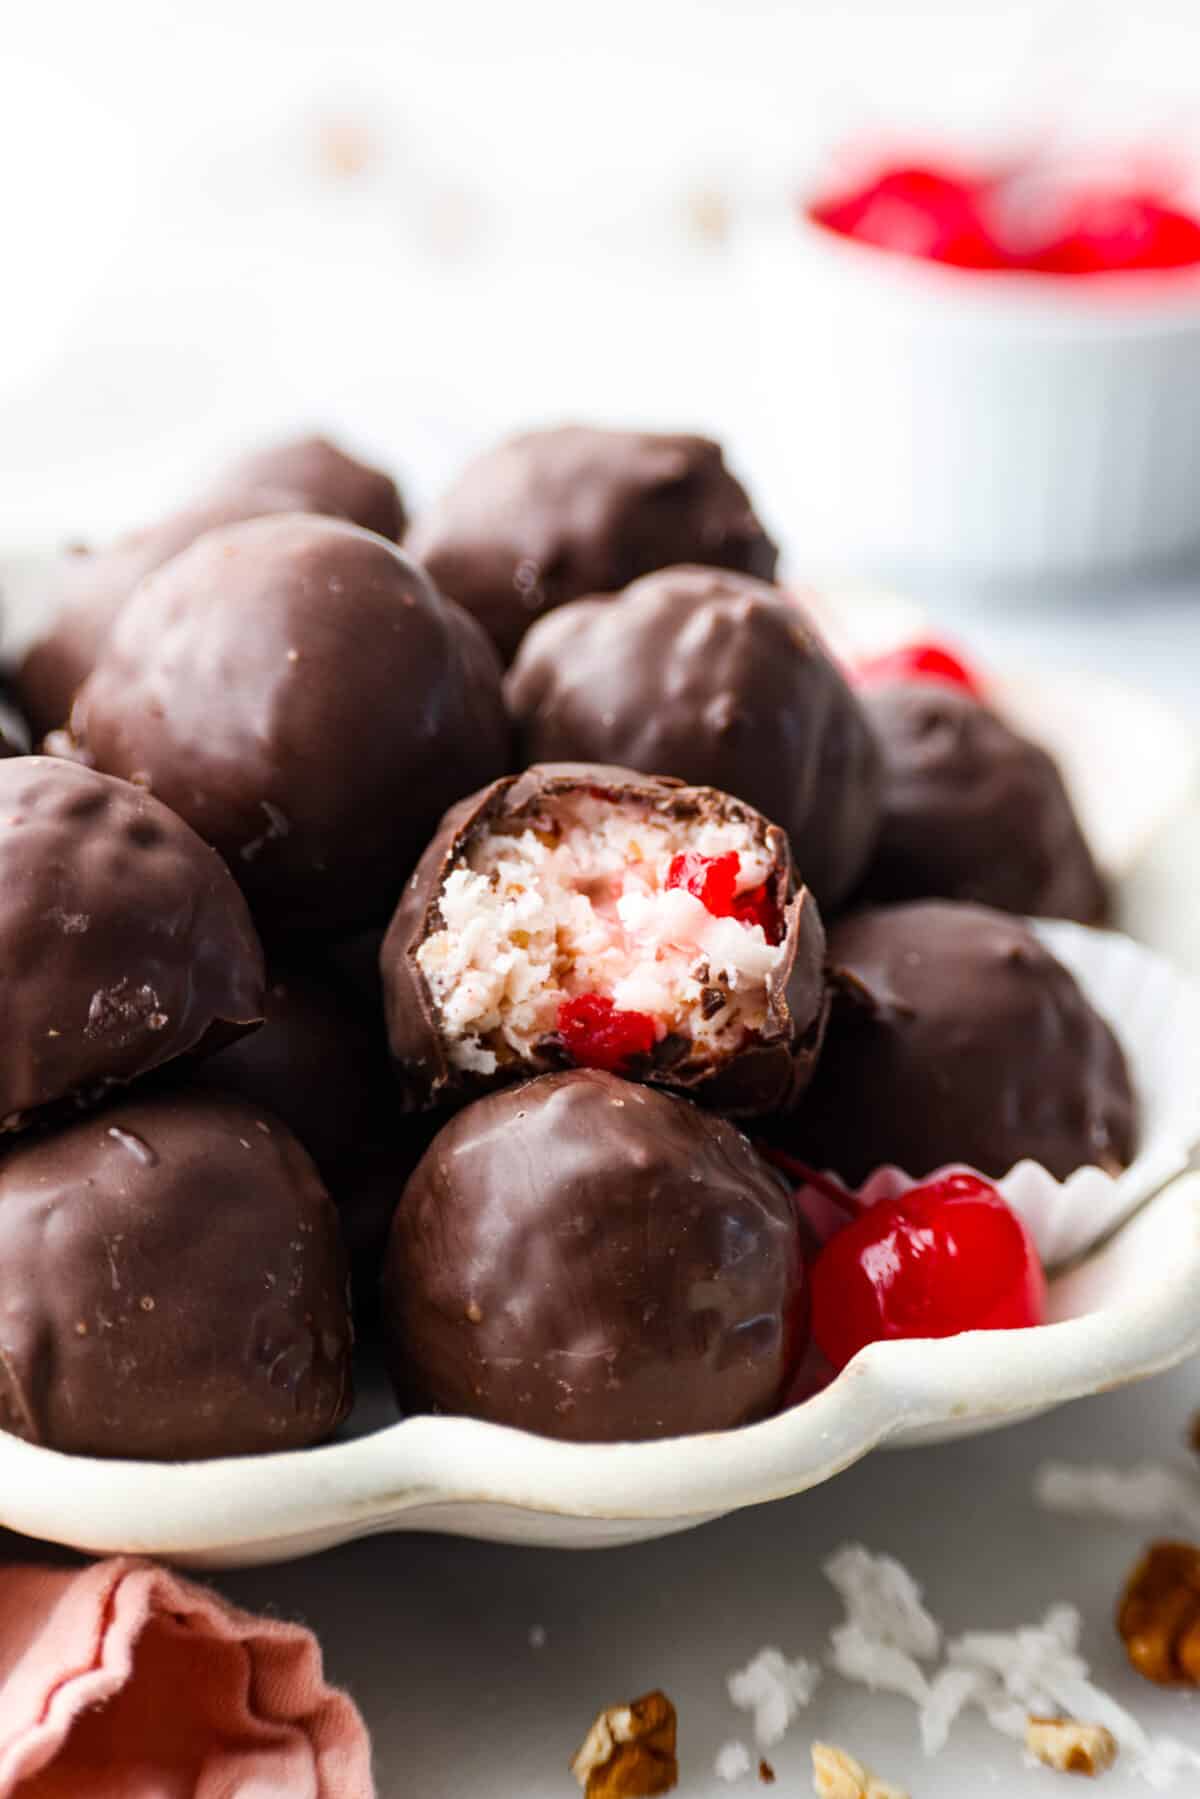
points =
(1129, 1309)
(1126, 1312)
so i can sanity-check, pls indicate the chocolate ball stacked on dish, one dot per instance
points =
(956, 1037)
(86, 589)
(525, 1034)
(171, 1279)
(553, 515)
(971, 810)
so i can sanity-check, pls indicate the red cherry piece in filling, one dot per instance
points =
(917, 212)
(925, 661)
(713, 881)
(949, 1255)
(596, 1034)
(1109, 232)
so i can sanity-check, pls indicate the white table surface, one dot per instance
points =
(432, 1635)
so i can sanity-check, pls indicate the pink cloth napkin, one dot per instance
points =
(122, 1681)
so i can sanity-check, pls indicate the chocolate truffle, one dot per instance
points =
(973, 811)
(720, 680)
(172, 1285)
(553, 515)
(86, 589)
(327, 480)
(596, 1261)
(124, 942)
(582, 914)
(298, 691)
(319, 1062)
(955, 1036)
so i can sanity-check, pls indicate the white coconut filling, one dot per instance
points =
(577, 903)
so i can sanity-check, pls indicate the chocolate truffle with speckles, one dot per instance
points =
(123, 941)
(594, 1261)
(552, 515)
(297, 689)
(973, 811)
(328, 480)
(721, 680)
(577, 914)
(955, 1036)
(172, 1285)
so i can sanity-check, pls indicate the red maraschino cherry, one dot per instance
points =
(949, 1255)
(922, 661)
(597, 1034)
(923, 212)
(713, 881)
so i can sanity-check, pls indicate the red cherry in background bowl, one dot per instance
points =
(949, 1255)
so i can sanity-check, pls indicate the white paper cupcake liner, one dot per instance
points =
(1155, 1012)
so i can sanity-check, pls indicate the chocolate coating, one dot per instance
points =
(718, 679)
(123, 941)
(955, 1036)
(973, 811)
(594, 1261)
(86, 589)
(318, 1062)
(552, 515)
(172, 1285)
(767, 1075)
(327, 480)
(296, 689)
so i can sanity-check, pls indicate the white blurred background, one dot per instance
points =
(424, 226)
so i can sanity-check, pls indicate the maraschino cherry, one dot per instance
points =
(923, 212)
(713, 880)
(921, 661)
(596, 1033)
(949, 1255)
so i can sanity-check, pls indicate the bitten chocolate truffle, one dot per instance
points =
(123, 941)
(720, 680)
(86, 589)
(172, 1285)
(587, 915)
(298, 691)
(973, 811)
(553, 515)
(955, 1036)
(319, 1062)
(328, 480)
(595, 1261)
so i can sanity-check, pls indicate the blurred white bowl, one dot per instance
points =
(990, 424)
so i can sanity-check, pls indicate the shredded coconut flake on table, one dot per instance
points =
(773, 1689)
(884, 1600)
(732, 1761)
(1148, 1493)
(1007, 1675)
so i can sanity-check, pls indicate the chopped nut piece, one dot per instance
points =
(1159, 1614)
(836, 1775)
(1069, 1746)
(766, 1772)
(629, 1753)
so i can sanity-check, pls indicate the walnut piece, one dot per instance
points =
(836, 1775)
(1159, 1614)
(629, 1753)
(1069, 1746)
